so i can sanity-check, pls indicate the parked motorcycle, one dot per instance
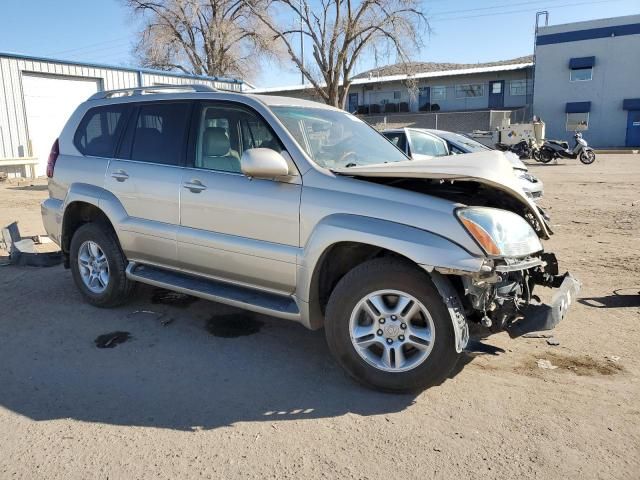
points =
(522, 148)
(559, 149)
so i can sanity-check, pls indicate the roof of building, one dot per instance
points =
(454, 69)
(431, 67)
(119, 67)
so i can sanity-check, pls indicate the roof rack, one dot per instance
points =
(130, 92)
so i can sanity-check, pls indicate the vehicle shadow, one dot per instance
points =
(32, 188)
(616, 300)
(172, 373)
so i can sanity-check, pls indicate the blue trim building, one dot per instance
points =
(587, 78)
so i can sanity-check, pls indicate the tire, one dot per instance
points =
(118, 288)
(398, 276)
(545, 156)
(587, 157)
(535, 154)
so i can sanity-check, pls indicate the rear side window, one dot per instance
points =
(159, 134)
(98, 132)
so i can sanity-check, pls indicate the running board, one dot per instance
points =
(280, 306)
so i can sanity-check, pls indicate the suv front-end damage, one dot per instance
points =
(501, 296)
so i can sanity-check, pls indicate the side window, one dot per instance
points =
(224, 132)
(99, 130)
(159, 133)
(424, 144)
(398, 139)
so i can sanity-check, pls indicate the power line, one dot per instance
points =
(435, 20)
(85, 47)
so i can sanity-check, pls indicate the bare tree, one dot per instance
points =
(202, 37)
(339, 32)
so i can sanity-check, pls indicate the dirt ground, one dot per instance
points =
(175, 401)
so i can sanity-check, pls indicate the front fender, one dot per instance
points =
(424, 248)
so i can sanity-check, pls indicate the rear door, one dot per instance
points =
(233, 227)
(146, 177)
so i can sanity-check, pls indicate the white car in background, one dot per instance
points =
(422, 143)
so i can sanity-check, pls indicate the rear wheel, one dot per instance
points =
(587, 157)
(98, 266)
(388, 327)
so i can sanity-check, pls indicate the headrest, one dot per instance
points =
(215, 142)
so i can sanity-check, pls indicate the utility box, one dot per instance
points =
(514, 133)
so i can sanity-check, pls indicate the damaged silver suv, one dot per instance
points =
(300, 211)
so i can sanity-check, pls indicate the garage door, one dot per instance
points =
(49, 101)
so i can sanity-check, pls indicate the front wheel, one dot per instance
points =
(545, 156)
(587, 157)
(388, 327)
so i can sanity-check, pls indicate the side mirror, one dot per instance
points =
(263, 163)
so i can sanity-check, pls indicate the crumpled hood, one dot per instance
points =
(489, 168)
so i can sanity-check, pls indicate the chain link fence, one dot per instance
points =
(482, 120)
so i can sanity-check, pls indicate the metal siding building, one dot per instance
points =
(37, 95)
(590, 71)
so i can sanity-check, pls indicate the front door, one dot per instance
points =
(424, 99)
(235, 228)
(353, 103)
(496, 94)
(633, 128)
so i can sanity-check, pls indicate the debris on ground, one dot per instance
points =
(157, 316)
(37, 251)
(545, 364)
(169, 297)
(612, 358)
(537, 335)
(553, 341)
(110, 340)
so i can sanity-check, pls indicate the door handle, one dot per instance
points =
(120, 175)
(194, 186)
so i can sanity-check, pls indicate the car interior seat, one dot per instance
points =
(217, 153)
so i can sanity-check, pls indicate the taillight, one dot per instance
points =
(53, 156)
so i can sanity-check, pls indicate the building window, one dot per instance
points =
(577, 121)
(518, 87)
(581, 74)
(438, 93)
(472, 90)
(396, 95)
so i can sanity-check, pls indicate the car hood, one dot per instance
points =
(489, 168)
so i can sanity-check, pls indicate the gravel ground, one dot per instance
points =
(175, 401)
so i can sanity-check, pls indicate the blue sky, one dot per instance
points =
(464, 31)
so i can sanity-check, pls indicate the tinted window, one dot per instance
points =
(425, 144)
(224, 132)
(99, 130)
(159, 134)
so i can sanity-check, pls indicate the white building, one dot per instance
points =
(37, 96)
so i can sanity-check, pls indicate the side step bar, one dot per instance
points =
(237, 296)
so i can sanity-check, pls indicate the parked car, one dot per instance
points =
(420, 143)
(301, 211)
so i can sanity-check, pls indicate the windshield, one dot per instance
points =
(466, 143)
(335, 139)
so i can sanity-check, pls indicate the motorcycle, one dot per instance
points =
(559, 149)
(522, 148)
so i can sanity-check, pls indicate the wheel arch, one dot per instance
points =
(341, 242)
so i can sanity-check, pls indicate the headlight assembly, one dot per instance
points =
(500, 233)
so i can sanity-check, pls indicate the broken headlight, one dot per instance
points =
(500, 233)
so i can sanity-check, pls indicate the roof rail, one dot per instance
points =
(130, 92)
